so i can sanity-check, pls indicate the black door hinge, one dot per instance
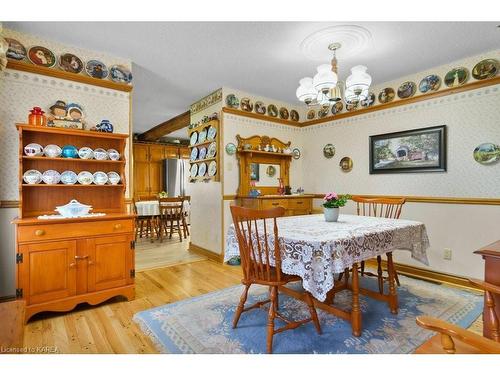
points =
(19, 293)
(132, 245)
(132, 273)
(19, 257)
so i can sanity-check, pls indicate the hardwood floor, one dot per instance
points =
(108, 327)
(149, 255)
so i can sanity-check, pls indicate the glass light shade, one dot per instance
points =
(325, 79)
(358, 81)
(306, 92)
(352, 96)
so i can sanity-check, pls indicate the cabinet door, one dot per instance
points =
(155, 177)
(111, 262)
(156, 153)
(48, 271)
(184, 153)
(171, 152)
(141, 170)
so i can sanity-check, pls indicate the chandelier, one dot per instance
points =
(325, 89)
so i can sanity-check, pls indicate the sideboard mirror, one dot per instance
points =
(262, 162)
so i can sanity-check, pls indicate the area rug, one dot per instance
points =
(204, 324)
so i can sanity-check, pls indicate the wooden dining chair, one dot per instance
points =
(389, 208)
(449, 332)
(144, 225)
(185, 228)
(170, 218)
(257, 234)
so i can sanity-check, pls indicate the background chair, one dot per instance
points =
(254, 234)
(186, 200)
(379, 207)
(171, 216)
(144, 225)
(449, 331)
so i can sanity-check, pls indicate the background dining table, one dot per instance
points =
(317, 250)
(152, 208)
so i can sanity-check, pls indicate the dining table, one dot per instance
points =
(152, 208)
(317, 251)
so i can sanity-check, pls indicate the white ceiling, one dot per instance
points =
(177, 63)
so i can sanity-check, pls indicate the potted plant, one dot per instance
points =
(331, 203)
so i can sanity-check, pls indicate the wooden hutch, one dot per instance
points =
(251, 151)
(63, 262)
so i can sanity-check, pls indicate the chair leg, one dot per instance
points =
(179, 229)
(160, 229)
(341, 275)
(270, 319)
(141, 230)
(171, 227)
(312, 310)
(184, 226)
(362, 268)
(396, 277)
(241, 305)
(380, 277)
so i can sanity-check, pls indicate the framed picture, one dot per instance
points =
(254, 172)
(416, 150)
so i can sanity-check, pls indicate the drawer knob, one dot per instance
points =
(39, 232)
(118, 226)
(71, 265)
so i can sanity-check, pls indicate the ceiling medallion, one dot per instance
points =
(354, 40)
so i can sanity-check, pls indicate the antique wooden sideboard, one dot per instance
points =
(65, 261)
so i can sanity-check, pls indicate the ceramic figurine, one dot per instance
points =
(105, 126)
(64, 115)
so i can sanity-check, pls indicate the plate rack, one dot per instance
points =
(205, 143)
(42, 199)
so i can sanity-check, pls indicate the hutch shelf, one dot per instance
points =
(204, 126)
(66, 261)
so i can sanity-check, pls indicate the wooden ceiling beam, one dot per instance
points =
(178, 122)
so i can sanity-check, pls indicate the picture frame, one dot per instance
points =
(409, 151)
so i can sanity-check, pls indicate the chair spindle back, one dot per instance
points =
(170, 207)
(389, 208)
(257, 234)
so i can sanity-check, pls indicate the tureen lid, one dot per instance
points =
(73, 204)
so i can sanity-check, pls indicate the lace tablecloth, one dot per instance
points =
(315, 249)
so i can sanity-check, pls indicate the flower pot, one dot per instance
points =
(331, 214)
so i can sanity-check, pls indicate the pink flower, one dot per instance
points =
(331, 196)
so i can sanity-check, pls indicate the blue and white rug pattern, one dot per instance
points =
(204, 324)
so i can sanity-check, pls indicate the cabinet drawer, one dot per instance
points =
(300, 204)
(271, 203)
(70, 230)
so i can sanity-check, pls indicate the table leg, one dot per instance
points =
(393, 296)
(355, 311)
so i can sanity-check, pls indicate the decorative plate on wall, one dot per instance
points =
(487, 153)
(407, 89)
(70, 63)
(212, 150)
(202, 169)
(346, 164)
(284, 114)
(231, 148)
(485, 69)
(323, 112)
(202, 137)
(16, 49)
(212, 132)
(369, 101)
(272, 110)
(294, 115)
(194, 153)
(296, 153)
(212, 168)
(430, 83)
(194, 170)
(337, 107)
(202, 153)
(42, 56)
(246, 104)
(386, 95)
(456, 77)
(270, 171)
(96, 69)
(120, 74)
(329, 151)
(311, 114)
(260, 108)
(351, 107)
(232, 101)
(193, 139)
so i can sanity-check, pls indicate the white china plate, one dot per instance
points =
(32, 177)
(212, 149)
(85, 178)
(194, 170)
(69, 178)
(193, 139)
(51, 177)
(202, 169)
(113, 178)
(212, 168)
(100, 178)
